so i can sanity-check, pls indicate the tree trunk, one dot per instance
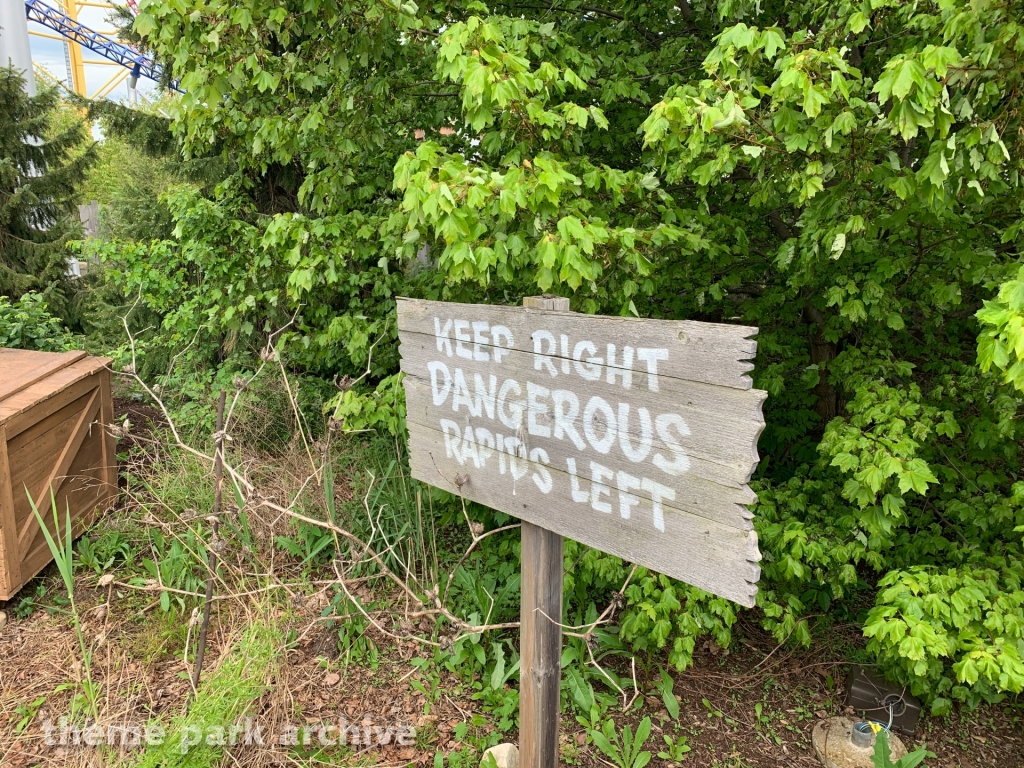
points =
(822, 351)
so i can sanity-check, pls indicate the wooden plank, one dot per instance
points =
(722, 447)
(713, 353)
(540, 630)
(540, 646)
(51, 488)
(707, 554)
(417, 348)
(10, 572)
(82, 493)
(15, 410)
(44, 420)
(23, 368)
(692, 493)
(107, 417)
(31, 465)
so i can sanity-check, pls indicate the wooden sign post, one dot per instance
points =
(540, 631)
(636, 437)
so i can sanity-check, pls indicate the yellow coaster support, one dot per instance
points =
(76, 60)
(104, 90)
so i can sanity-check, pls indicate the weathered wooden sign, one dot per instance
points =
(636, 437)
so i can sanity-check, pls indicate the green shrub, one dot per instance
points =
(28, 324)
(954, 634)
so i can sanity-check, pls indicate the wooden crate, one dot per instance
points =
(53, 408)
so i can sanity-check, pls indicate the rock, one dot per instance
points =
(3, 619)
(505, 756)
(831, 740)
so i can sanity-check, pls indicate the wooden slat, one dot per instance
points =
(21, 368)
(47, 420)
(10, 558)
(695, 493)
(707, 554)
(419, 348)
(713, 353)
(58, 474)
(83, 492)
(21, 409)
(727, 445)
(33, 462)
(107, 417)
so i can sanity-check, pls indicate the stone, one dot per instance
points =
(505, 756)
(832, 744)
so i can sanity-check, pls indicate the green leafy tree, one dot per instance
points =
(845, 175)
(43, 162)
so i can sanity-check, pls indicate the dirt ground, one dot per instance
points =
(753, 706)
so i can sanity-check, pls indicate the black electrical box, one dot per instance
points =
(872, 698)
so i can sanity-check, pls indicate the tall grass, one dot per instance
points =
(88, 693)
(395, 515)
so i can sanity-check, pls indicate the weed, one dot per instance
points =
(27, 713)
(625, 750)
(882, 759)
(179, 564)
(309, 543)
(30, 602)
(222, 699)
(426, 736)
(675, 749)
(393, 520)
(88, 692)
(713, 711)
(764, 724)
(163, 636)
(570, 753)
(354, 643)
(665, 684)
(100, 555)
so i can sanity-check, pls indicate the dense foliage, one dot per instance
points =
(846, 176)
(28, 324)
(43, 162)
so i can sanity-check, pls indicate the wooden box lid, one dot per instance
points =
(27, 376)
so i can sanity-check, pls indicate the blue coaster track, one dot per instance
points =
(140, 64)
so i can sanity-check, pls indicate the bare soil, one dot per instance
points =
(718, 696)
(753, 706)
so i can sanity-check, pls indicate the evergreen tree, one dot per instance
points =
(43, 163)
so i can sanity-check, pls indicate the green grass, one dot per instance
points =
(224, 697)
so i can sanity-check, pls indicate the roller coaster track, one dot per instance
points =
(139, 63)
